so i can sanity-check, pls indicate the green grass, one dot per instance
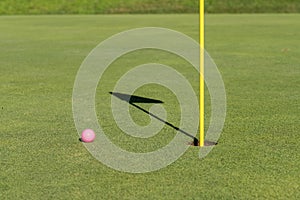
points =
(253, 6)
(258, 153)
(13, 7)
(97, 6)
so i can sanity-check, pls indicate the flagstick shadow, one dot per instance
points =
(131, 99)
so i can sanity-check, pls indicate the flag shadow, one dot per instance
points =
(132, 99)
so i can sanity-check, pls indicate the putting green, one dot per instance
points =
(258, 152)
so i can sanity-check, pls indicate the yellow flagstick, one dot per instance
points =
(201, 111)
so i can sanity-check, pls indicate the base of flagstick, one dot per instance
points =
(206, 143)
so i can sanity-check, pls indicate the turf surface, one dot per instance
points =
(36, 7)
(258, 153)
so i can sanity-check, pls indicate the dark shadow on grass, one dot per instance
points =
(131, 99)
(134, 99)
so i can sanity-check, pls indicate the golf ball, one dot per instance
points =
(88, 135)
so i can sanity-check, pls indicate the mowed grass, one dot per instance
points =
(258, 153)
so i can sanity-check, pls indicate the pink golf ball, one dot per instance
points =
(88, 135)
